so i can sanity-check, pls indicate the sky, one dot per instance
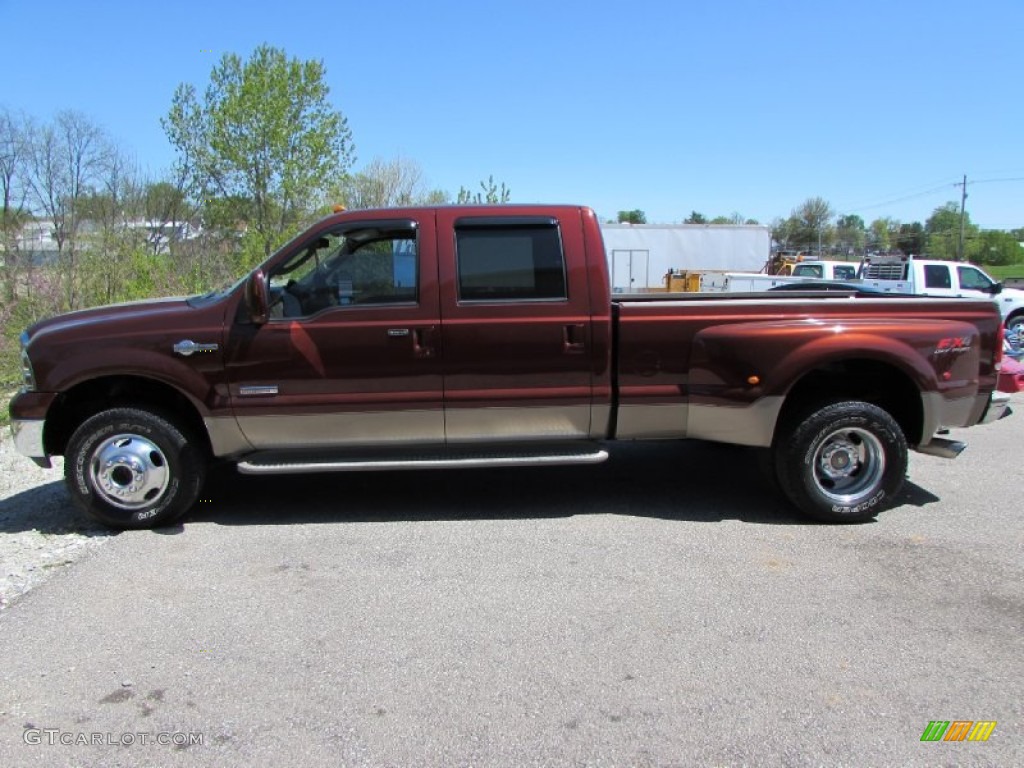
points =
(719, 107)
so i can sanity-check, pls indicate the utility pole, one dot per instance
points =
(963, 203)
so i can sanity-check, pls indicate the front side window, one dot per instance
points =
(361, 266)
(973, 279)
(937, 276)
(510, 263)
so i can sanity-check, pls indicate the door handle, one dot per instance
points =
(574, 337)
(421, 346)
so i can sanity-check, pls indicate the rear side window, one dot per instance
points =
(510, 262)
(937, 276)
(846, 272)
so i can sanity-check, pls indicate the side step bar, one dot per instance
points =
(943, 448)
(281, 464)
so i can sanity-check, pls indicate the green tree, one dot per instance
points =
(943, 232)
(636, 216)
(263, 134)
(735, 218)
(998, 248)
(851, 234)
(911, 239)
(878, 238)
(811, 222)
(696, 218)
(783, 230)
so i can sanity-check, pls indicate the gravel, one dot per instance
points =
(41, 529)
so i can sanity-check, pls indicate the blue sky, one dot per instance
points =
(879, 107)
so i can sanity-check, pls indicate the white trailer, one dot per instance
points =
(640, 255)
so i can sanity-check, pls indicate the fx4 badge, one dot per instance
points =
(953, 345)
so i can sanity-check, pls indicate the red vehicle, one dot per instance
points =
(483, 336)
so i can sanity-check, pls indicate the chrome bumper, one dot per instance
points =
(998, 407)
(28, 440)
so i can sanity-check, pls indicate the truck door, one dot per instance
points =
(974, 282)
(516, 327)
(938, 280)
(350, 355)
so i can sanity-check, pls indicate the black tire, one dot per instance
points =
(133, 468)
(843, 462)
(1015, 326)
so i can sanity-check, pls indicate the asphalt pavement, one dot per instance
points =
(663, 609)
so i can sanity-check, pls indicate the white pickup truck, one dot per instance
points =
(746, 282)
(906, 274)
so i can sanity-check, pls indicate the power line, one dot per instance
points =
(926, 193)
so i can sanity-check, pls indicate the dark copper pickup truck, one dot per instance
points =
(486, 336)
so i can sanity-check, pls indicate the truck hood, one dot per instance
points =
(151, 312)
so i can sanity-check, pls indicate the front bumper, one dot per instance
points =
(28, 440)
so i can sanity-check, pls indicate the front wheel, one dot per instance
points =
(133, 468)
(844, 462)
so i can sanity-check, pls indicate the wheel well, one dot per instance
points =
(1015, 315)
(872, 381)
(90, 397)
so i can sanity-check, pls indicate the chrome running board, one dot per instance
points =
(279, 463)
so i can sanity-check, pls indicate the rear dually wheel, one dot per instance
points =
(842, 462)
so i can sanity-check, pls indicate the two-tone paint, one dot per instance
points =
(443, 372)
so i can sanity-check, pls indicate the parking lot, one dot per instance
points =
(662, 609)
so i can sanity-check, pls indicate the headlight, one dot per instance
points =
(28, 378)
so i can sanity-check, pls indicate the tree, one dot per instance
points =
(14, 150)
(878, 234)
(636, 216)
(490, 193)
(850, 233)
(910, 239)
(68, 160)
(811, 221)
(943, 231)
(998, 248)
(385, 184)
(696, 218)
(265, 134)
(782, 230)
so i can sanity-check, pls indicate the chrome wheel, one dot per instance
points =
(848, 464)
(128, 471)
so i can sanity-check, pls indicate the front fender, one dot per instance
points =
(199, 380)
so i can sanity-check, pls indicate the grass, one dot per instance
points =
(1009, 270)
